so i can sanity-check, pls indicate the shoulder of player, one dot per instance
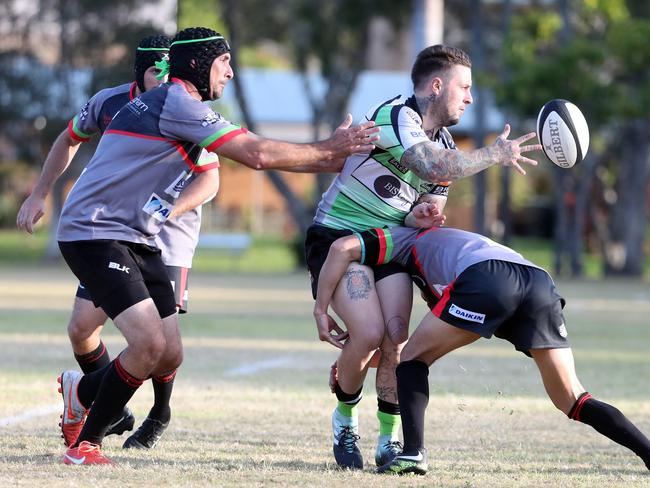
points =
(112, 91)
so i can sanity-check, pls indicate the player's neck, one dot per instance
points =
(426, 105)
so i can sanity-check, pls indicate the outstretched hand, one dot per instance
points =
(509, 152)
(348, 140)
(329, 330)
(30, 213)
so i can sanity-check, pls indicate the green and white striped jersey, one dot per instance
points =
(375, 190)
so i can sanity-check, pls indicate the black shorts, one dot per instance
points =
(317, 244)
(514, 302)
(178, 277)
(119, 274)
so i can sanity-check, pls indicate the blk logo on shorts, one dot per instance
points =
(466, 314)
(118, 267)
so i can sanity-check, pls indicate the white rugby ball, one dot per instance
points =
(563, 133)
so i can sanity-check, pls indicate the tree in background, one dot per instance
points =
(328, 38)
(594, 53)
(55, 54)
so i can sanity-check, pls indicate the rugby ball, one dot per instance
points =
(563, 133)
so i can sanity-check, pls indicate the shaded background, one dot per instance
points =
(301, 65)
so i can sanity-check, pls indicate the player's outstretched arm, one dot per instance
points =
(58, 159)
(342, 252)
(424, 215)
(201, 189)
(326, 156)
(434, 164)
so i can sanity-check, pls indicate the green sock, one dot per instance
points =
(348, 410)
(389, 424)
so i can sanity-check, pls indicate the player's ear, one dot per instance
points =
(436, 84)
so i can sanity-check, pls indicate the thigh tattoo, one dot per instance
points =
(357, 284)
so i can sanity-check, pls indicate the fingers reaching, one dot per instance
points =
(347, 122)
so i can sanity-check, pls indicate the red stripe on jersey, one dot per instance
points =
(382, 245)
(132, 90)
(444, 299)
(222, 140)
(418, 265)
(425, 232)
(178, 81)
(74, 135)
(133, 134)
(179, 147)
(576, 412)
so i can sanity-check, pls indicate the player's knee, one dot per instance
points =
(151, 351)
(398, 331)
(173, 356)
(79, 330)
(372, 340)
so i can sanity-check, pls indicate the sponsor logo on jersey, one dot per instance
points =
(399, 166)
(158, 208)
(211, 118)
(137, 106)
(440, 190)
(388, 186)
(466, 314)
(83, 114)
(118, 266)
(562, 330)
(413, 114)
(418, 133)
(174, 190)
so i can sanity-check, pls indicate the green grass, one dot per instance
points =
(266, 255)
(489, 422)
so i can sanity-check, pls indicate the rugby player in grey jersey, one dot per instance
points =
(414, 157)
(87, 321)
(146, 171)
(476, 288)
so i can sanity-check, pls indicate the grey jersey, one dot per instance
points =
(148, 154)
(178, 238)
(437, 255)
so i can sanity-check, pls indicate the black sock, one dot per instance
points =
(93, 360)
(117, 388)
(348, 398)
(610, 422)
(162, 392)
(89, 385)
(413, 395)
(387, 407)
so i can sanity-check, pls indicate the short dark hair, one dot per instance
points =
(437, 58)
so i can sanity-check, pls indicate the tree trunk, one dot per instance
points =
(624, 253)
(297, 209)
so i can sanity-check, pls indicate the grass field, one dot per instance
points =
(252, 408)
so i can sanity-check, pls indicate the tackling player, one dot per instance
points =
(415, 156)
(489, 289)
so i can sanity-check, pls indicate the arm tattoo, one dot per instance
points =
(433, 164)
(357, 284)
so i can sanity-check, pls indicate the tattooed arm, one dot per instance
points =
(342, 252)
(433, 164)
